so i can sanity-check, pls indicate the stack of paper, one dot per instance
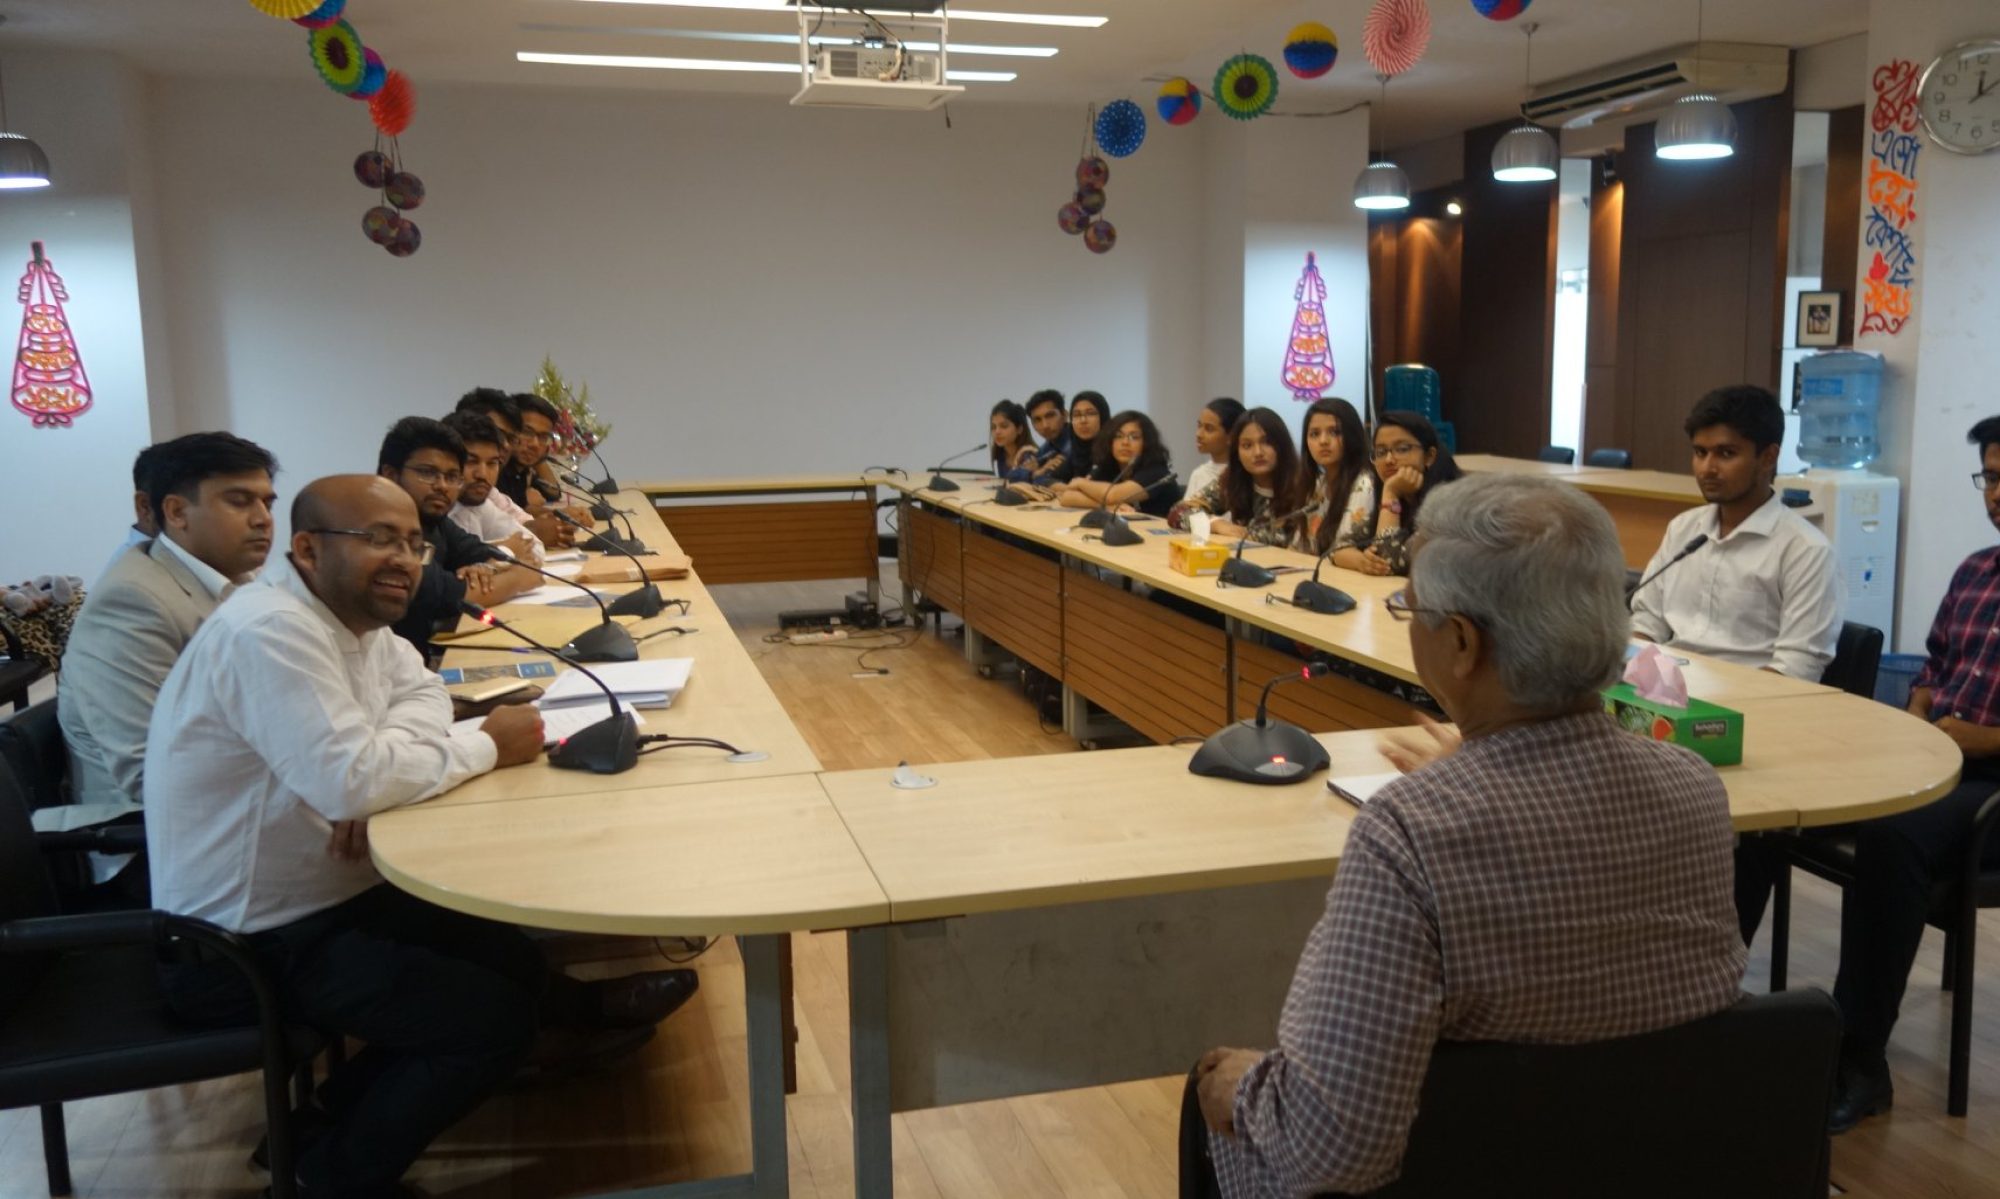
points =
(649, 683)
(1358, 789)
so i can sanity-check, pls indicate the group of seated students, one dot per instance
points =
(254, 711)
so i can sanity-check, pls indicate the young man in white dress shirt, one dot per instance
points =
(482, 509)
(293, 716)
(1761, 590)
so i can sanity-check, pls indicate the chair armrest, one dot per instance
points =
(103, 838)
(15, 650)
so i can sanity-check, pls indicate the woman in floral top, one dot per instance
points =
(1338, 482)
(1261, 492)
(1410, 462)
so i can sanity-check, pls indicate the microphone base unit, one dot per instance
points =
(1096, 518)
(605, 486)
(1007, 497)
(644, 602)
(940, 483)
(1271, 754)
(1316, 597)
(605, 544)
(1241, 572)
(1117, 532)
(603, 512)
(611, 746)
(606, 643)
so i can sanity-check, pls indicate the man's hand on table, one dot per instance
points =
(516, 730)
(1216, 1077)
(349, 841)
(1974, 740)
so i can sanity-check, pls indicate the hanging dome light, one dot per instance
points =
(1382, 185)
(1698, 126)
(1525, 155)
(22, 163)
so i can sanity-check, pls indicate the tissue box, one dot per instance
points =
(1711, 730)
(1194, 560)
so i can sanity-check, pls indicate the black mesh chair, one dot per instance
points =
(18, 670)
(1562, 455)
(31, 746)
(1613, 459)
(82, 1013)
(1731, 1106)
(1857, 659)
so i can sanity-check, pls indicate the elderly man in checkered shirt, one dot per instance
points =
(1551, 878)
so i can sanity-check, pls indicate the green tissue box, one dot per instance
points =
(1711, 730)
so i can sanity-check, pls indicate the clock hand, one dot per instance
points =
(1984, 87)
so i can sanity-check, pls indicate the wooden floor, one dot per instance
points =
(678, 1111)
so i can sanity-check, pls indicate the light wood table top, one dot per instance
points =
(768, 486)
(1483, 464)
(1640, 484)
(759, 856)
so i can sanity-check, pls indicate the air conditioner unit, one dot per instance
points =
(1595, 107)
(875, 77)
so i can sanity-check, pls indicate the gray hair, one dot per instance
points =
(1537, 565)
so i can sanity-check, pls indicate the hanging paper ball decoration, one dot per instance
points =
(373, 75)
(1072, 218)
(408, 238)
(1311, 49)
(380, 224)
(1121, 128)
(1501, 10)
(1395, 34)
(393, 107)
(338, 56)
(322, 15)
(1101, 236)
(1246, 86)
(1179, 102)
(404, 190)
(284, 10)
(372, 168)
(1092, 172)
(1090, 199)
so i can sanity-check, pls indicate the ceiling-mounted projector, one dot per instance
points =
(876, 70)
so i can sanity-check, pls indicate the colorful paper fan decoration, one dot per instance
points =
(1246, 86)
(373, 75)
(1311, 49)
(1179, 102)
(284, 10)
(338, 56)
(50, 387)
(1121, 128)
(322, 14)
(1501, 10)
(1395, 34)
(394, 106)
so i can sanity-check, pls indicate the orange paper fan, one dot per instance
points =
(392, 108)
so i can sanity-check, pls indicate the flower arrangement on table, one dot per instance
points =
(578, 429)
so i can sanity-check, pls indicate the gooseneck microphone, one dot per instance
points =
(570, 482)
(644, 602)
(1323, 598)
(1262, 750)
(1239, 571)
(1700, 539)
(1116, 530)
(608, 746)
(608, 642)
(938, 480)
(606, 485)
(1100, 516)
(609, 540)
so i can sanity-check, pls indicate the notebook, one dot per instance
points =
(648, 683)
(1358, 789)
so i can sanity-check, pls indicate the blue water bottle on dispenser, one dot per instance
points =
(1840, 397)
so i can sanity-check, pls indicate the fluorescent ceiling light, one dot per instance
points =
(717, 64)
(1006, 18)
(780, 39)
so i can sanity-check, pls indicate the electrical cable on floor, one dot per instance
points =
(707, 943)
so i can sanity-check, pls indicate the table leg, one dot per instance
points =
(868, 1040)
(789, 1014)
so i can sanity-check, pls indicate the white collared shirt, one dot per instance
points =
(495, 520)
(218, 585)
(276, 722)
(1766, 595)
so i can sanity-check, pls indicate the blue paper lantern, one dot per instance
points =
(1121, 128)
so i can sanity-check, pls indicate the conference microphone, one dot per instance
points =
(1323, 598)
(938, 481)
(609, 746)
(1100, 516)
(1700, 539)
(607, 542)
(606, 485)
(1262, 750)
(1119, 531)
(571, 483)
(1239, 571)
(608, 642)
(644, 602)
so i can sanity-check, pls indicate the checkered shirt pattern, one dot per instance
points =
(1962, 665)
(1560, 882)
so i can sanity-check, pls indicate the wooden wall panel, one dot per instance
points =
(1324, 705)
(765, 543)
(1165, 674)
(1507, 302)
(932, 559)
(1415, 272)
(1846, 149)
(1015, 598)
(1603, 423)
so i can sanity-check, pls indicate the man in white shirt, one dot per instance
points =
(482, 509)
(1760, 590)
(292, 717)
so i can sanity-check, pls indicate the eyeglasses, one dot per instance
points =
(1398, 603)
(386, 539)
(1400, 449)
(1986, 480)
(545, 436)
(1132, 435)
(432, 476)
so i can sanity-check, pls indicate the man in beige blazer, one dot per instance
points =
(211, 498)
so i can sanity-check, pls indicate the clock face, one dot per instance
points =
(1959, 97)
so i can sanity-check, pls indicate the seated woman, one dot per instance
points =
(1009, 443)
(1087, 414)
(1260, 493)
(1211, 438)
(1410, 462)
(1133, 473)
(1338, 482)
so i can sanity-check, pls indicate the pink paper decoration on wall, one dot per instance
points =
(1395, 34)
(1308, 367)
(49, 383)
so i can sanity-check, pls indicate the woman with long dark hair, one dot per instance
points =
(1259, 494)
(1134, 473)
(1410, 461)
(1338, 482)
(1009, 443)
(1211, 439)
(1087, 413)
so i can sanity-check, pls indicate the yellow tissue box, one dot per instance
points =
(1195, 560)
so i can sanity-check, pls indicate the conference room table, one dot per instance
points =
(1641, 502)
(1023, 925)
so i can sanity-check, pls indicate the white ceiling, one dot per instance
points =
(1471, 75)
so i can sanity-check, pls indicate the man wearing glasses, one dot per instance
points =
(427, 460)
(1898, 861)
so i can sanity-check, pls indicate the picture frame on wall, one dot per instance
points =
(1819, 319)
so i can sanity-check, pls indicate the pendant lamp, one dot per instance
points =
(1526, 154)
(1698, 126)
(1382, 186)
(22, 163)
